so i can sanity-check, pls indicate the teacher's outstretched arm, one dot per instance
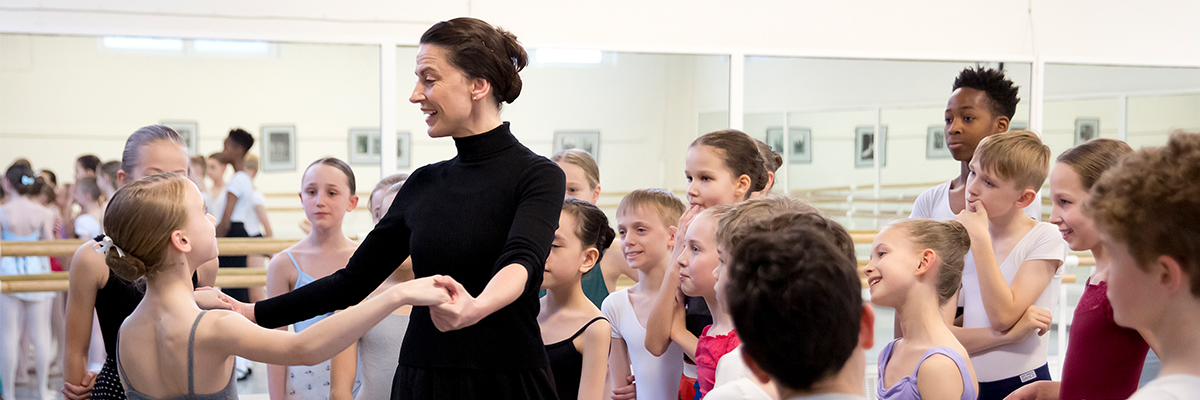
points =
(381, 252)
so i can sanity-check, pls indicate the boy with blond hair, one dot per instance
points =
(645, 224)
(1146, 209)
(1016, 274)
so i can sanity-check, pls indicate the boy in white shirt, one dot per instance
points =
(1016, 272)
(1147, 210)
(982, 103)
(776, 279)
(239, 198)
(645, 223)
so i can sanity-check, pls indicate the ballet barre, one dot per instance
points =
(67, 247)
(60, 281)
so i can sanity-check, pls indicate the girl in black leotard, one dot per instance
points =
(575, 332)
(150, 150)
(484, 218)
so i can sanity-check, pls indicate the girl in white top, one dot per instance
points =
(87, 193)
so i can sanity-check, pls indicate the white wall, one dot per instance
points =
(1153, 32)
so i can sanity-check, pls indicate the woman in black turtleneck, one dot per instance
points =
(484, 219)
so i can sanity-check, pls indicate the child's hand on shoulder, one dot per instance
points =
(974, 218)
(208, 298)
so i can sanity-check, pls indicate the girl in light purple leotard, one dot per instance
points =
(916, 267)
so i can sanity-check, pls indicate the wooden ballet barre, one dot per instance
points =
(66, 247)
(60, 281)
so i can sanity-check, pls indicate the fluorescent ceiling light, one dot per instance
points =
(230, 46)
(569, 56)
(143, 43)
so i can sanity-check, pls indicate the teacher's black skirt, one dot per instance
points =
(461, 383)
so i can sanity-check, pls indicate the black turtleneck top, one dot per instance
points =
(495, 204)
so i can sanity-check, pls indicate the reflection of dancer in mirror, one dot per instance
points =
(485, 218)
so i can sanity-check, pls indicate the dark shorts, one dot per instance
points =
(998, 390)
(462, 383)
(236, 229)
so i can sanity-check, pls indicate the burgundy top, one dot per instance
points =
(709, 350)
(1104, 361)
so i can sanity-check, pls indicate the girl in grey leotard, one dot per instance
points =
(228, 393)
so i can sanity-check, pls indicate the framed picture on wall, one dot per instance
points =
(403, 149)
(364, 146)
(1086, 129)
(279, 147)
(800, 143)
(588, 141)
(190, 132)
(935, 143)
(864, 147)
(775, 139)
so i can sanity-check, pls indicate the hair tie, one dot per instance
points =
(104, 244)
(27, 180)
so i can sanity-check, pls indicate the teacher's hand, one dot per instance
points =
(423, 292)
(460, 312)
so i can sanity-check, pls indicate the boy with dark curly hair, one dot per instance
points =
(1146, 208)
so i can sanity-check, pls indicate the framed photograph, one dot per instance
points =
(588, 141)
(800, 145)
(1086, 129)
(935, 143)
(190, 132)
(775, 139)
(279, 148)
(403, 149)
(864, 147)
(365, 146)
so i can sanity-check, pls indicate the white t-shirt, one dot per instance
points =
(244, 189)
(740, 389)
(1170, 387)
(216, 206)
(1043, 242)
(657, 377)
(731, 367)
(934, 203)
(86, 226)
(253, 225)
